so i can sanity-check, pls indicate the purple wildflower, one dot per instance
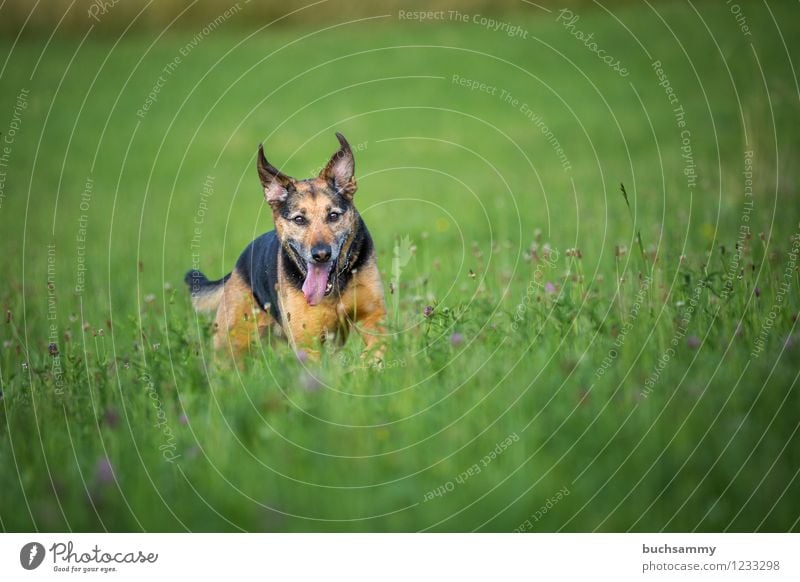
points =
(549, 288)
(428, 311)
(693, 342)
(456, 339)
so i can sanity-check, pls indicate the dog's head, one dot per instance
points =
(315, 218)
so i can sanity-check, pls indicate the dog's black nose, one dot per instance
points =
(321, 253)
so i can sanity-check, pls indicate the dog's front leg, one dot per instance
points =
(238, 322)
(372, 331)
(368, 312)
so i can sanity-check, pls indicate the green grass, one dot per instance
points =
(558, 358)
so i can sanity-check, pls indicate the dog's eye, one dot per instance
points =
(333, 216)
(300, 220)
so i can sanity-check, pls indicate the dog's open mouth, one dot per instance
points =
(319, 281)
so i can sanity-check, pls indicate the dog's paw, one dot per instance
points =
(373, 359)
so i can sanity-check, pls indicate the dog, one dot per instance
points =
(313, 277)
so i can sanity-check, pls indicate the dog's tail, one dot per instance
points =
(206, 294)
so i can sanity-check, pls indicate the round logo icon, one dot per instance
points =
(31, 555)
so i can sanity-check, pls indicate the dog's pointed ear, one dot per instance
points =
(341, 169)
(276, 184)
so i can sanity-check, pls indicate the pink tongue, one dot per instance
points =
(316, 282)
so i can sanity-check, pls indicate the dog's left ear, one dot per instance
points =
(341, 169)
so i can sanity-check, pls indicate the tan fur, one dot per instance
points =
(239, 320)
(207, 301)
(361, 307)
(366, 309)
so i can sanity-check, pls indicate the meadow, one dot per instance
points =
(589, 248)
